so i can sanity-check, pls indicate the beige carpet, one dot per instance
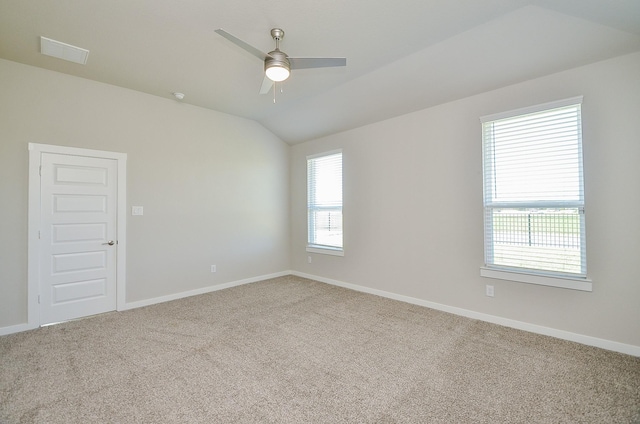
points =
(291, 350)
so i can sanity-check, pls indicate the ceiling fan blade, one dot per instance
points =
(238, 42)
(266, 85)
(316, 62)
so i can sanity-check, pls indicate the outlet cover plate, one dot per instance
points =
(489, 290)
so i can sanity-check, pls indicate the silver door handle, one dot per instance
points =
(110, 243)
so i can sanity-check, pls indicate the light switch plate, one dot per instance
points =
(136, 210)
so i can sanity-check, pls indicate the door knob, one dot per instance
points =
(110, 243)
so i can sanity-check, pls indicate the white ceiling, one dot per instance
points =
(402, 55)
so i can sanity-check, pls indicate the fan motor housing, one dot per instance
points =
(277, 58)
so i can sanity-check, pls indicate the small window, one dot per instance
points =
(534, 219)
(324, 203)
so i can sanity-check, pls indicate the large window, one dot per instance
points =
(324, 203)
(533, 192)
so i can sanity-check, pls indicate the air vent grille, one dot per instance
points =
(63, 51)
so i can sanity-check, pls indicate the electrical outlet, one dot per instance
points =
(308, 259)
(489, 290)
(213, 268)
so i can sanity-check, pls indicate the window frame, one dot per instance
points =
(528, 275)
(316, 247)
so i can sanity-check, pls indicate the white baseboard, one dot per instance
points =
(519, 325)
(15, 329)
(203, 290)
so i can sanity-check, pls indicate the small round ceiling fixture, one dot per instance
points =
(178, 96)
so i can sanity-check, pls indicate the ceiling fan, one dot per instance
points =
(277, 64)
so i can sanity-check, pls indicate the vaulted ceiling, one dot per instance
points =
(402, 55)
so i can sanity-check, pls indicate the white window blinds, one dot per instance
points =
(324, 201)
(533, 190)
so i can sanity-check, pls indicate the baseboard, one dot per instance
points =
(15, 329)
(520, 325)
(203, 290)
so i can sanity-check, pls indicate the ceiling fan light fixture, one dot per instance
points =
(277, 72)
(277, 66)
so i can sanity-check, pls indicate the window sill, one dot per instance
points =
(582, 284)
(325, 250)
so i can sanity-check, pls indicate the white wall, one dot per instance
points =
(214, 187)
(413, 206)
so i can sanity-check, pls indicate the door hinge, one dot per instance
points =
(39, 235)
(40, 170)
(38, 299)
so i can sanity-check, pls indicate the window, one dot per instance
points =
(324, 203)
(534, 195)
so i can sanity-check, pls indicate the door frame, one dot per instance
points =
(33, 256)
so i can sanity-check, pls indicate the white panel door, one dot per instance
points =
(78, 243)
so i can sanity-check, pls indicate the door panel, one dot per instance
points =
(73, 233)
(80, 175)
(78, 262)
(79, 203)
(78, 212)
(82, 290)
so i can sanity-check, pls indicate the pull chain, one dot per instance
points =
(275, 85)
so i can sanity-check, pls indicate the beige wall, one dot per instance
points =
(214, 187)
(413, 205)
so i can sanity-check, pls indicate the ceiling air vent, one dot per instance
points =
(63, 51)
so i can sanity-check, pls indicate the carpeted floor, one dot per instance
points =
(291, 350)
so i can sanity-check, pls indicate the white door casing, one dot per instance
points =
(76, 208)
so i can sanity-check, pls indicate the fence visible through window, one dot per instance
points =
(545, 239)
(327, 227)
